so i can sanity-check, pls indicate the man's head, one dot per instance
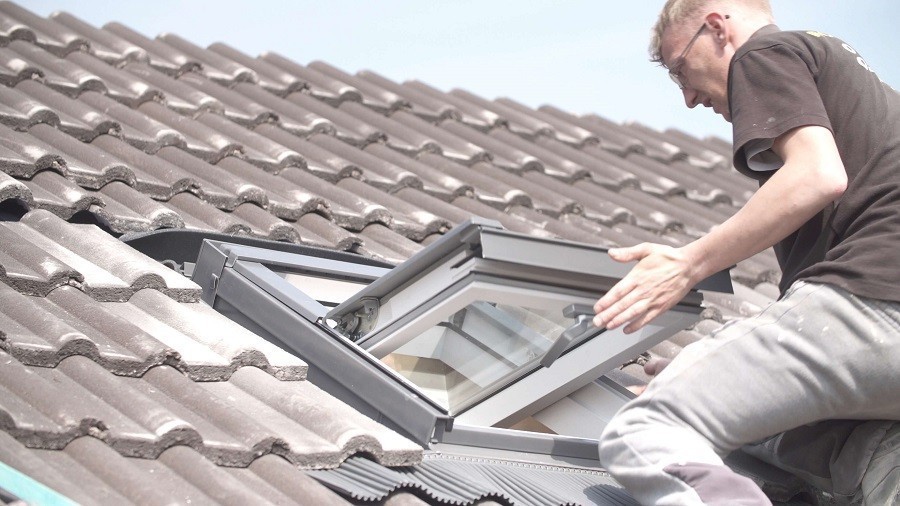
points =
(695, 40)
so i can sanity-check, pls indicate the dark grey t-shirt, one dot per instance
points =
(782, 80)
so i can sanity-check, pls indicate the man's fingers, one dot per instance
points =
(631, 253)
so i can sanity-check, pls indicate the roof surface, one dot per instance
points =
(111, 369)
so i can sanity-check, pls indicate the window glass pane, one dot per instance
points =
(476, 349)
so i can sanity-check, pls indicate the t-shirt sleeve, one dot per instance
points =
(772, 90)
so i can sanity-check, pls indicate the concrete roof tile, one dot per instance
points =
(236, 107)
(517, 122)
(60, 196)
(13, 68)
(433, 181)
(214, 66)
(322, 86)
(421, 104)
(348, 128)
(60, 74)
(111, 270)
(179, 96)
(216, 184)
(46, 33)
(104, 45)
(375, 171)
(373, 95)
(268, 75)
(291, 117)
(163, 57)
(125, 209)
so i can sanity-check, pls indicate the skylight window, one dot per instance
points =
(479, 327)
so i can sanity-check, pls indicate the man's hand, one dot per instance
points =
(662, 277)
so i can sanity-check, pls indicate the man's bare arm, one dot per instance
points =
(812, 177)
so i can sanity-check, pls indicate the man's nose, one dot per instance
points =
(690, 97)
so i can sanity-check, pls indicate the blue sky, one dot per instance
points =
(579, 55)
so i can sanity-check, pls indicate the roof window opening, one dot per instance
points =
(480, 327)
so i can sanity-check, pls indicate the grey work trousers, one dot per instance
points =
(819, 353)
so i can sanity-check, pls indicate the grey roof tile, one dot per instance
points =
(421, 104)
(451, 146)
(270, 77)
(555, 165)
(58, 73)
(375, 171)
(28, 268)
(434, 181)
(406, 219)
(398, 136)
(321, 86)
(319, 161)
(137, 129)
(104, 45)
(487, 189)
(125, 209)
(14, 69)
(611, 137)
(502, 154)
(179, 96)
(560, 228)
(216, 184)
(545, 200)
(59, 471)
(163, 57)
(602, 171)
(512, 222)
(201, 140)
(649, 181)
(257, 149)
(373, 95)
(20, 111)
(110, 270)
(85, 164)
(52, 36)
(121, 86)
(598, 209)
(563, 131)
(76, 119)
(214, 66)
(472, 115)
(266, 225)
(334, 235)
(696, 188)
(383, 243)
(236, 107)
(350, 211)
(58, 195)
(291, 117)
(21, 155)
(347, 127)
(517, 122)
(199, 215)
(283, 200)
(13, 189)
(153, 176)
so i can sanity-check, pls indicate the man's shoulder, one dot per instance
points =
(770, 36)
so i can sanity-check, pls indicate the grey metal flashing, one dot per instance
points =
(182, 245)
(465, 480)
(558, 446)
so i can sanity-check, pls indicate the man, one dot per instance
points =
(820, 367)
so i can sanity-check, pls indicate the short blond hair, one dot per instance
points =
(676, 12)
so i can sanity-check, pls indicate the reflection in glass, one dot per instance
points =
(475, 350)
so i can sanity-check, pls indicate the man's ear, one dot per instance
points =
(718, 25)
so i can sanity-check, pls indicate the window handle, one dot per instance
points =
(583, 325)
